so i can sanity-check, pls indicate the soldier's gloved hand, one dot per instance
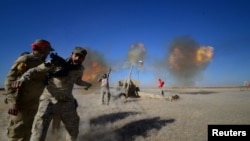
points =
(17, 84)
(13, 109)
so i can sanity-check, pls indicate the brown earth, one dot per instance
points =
(154, 119)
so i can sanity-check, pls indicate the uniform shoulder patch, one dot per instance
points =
(22, 66)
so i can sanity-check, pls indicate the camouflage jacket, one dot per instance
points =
(28, 91)
(58, 88)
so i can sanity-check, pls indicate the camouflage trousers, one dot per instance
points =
(47, 110)
(19, 128)
(105, 95)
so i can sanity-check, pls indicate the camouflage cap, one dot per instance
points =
(41, 43)
(80, 50)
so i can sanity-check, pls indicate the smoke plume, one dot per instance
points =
(95, 65)
(186, 59)
(136, 53)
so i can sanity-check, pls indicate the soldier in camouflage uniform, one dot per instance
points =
(57, 98)
(23, 102)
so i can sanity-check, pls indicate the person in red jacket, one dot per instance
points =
(160, 85)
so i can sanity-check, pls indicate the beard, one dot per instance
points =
(73, 63)
(76, 62)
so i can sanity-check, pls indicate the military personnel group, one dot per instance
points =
(39, 91)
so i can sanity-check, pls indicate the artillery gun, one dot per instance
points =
(128, 88)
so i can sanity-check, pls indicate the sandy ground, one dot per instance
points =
(154, 119)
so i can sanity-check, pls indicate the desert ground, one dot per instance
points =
(153, 117)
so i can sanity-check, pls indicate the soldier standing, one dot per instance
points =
(57, 98)
(23, 102)
(105, 88)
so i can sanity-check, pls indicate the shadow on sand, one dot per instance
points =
(127, 132)
(140, 128)
(104, 119)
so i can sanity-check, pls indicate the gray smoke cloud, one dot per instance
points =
(136, 53)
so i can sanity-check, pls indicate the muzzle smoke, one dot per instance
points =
(187, 59)
(136, 53)
(95, 65)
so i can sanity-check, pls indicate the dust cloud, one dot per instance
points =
(120, 121)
